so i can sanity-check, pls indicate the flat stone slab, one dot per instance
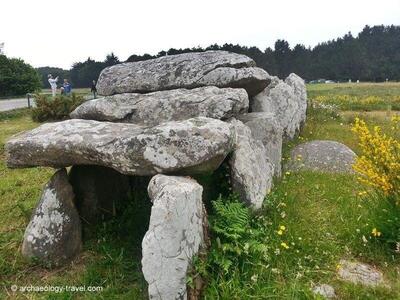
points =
(192, 146)
(359, 273)
(158, 107)
(321, 155)
(188, 70)
(53, 235)
(175, 235)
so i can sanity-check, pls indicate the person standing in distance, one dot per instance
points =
(53, 84)
(67, 87)
(93, 89)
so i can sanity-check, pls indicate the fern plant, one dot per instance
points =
(237, 237)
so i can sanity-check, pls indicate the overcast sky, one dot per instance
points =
(59, 33)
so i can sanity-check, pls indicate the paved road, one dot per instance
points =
(13, 104)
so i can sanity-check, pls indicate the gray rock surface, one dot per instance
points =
(324, 290)
(175, 235)
(251, 172)
(265, 128)
(188, 70)
(285, 101)
(193, 146)
(158, 107)
(359, 273)
(299, 89)
(53, 235)
(321, 155)
(98, 191)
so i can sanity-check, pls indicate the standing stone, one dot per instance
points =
(283, 101)
(188, 70)
(175, 235)
(196, 145)
(323, 156)
(53, 235)
(265, 128)
(98, 191)
(158, 107)
(300, 90)
(251, 171)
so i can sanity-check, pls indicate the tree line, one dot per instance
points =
(372, 55)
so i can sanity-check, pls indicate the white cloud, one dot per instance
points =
(58, 33)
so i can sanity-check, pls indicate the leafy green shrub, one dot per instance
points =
(57, 108)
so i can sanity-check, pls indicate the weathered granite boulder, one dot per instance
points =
(188, 70)
(158, 107)
(53, 235)
(251, 171)
(98, 190)
(191, 146)
(360, 273)
(286, 100)
(319, 155)
(265, 128)
(325, 291)
(175, 235)
(300, 90)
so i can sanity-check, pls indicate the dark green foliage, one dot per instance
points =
(83, 73)
(57, 108)
(17, 77)
(371, 56)
(56, 72)
(235, 236)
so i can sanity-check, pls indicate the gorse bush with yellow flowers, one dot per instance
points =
(379, 162)
(378, 167)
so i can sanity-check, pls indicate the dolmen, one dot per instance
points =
(170, 118)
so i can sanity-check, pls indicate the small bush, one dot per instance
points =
(379, 168)
(57, 108)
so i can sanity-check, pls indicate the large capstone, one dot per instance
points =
(286, 101)
(53, 235)
(323, 156)
(175, 235)
(158, 107)
(265, 128)
(192, 146)
(188, 70)
(251, 170)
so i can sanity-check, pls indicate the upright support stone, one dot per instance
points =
(266, 129)
(53, 235)
(175, 235)
(251, 171)
(98, 191)
(287, 100)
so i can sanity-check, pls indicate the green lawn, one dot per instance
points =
(324, 216)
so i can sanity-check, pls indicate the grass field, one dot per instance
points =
(324, 216)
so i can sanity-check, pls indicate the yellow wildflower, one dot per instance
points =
(284, 245)
(375, 232)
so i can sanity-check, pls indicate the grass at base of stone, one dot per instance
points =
(325, 220)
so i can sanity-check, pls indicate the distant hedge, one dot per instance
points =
(17, 77)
